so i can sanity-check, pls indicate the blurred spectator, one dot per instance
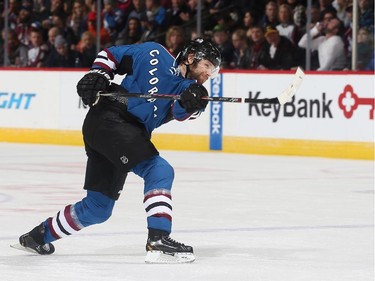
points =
(177, 13)
(63, 57)
(113, 19)
(255, 6)
(71, 19)
(52, 34)
(24, 27)
(227, 19)
(175, 40)
(91, 27)
(366, 18)
(325, 17)
(40, 10)
(59, 21)
(270, 16)
(248, 20)
(191, 14)
(315, 15)
(86, 51)
(131, 34)
(139, 9)
(258, 48)
(286, 26)
(155, 12)
(77, 20)
(326, 5)
(17, 52)
(280, 50)
(216, 6)
(330, 47)
(150, 30)
(29, 5)
(241, 53)
(124, 5)
(13, 10)
(38, 51)
(219, 9)
(365, 48)
(371, 64)
(57, 9)
(299, 18)
(295, 3)
(221, 38)
(340, 6)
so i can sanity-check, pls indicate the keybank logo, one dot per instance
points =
(303, 108)
(16, 100)
(349, 102)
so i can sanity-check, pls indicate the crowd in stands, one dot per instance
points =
(250, 34)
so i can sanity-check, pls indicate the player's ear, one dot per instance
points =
(190, 59)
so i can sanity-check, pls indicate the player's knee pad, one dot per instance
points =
(156, 172)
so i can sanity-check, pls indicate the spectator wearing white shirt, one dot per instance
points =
(330, 47)
(286, 27)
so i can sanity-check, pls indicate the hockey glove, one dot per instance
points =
(191, 98)
(88, 87)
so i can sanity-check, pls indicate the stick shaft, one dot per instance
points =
(163, 96)
(178, 97)
(284, 97)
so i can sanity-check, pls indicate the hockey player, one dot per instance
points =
(117, 133)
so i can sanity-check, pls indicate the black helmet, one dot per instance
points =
(202, 49)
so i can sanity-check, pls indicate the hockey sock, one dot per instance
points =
(158, 175)
(93, 209)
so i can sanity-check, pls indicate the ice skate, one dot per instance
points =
(163, 249)
(33, 242)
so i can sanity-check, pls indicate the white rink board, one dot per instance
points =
(29, 99)
(327, 123)
(52, 103)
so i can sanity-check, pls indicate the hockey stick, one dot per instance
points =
(283, 98)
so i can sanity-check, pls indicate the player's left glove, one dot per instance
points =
(191, 98)
(88, 87)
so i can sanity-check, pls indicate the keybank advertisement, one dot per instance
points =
(326, 107)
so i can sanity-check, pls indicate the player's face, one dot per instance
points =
(201, 71)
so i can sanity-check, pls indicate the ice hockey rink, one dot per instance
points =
(248, 217)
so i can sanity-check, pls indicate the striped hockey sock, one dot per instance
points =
(158, 206)
(63, 224)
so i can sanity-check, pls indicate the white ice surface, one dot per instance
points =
(249, 218)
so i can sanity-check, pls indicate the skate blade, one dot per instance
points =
(160, 257)
(18, 246)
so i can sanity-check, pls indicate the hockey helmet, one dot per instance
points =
(202, 49)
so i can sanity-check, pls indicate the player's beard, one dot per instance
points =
(195, 74)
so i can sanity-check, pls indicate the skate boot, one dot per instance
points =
(161, 248)
(33, 241)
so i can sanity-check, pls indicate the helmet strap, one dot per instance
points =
(188, 67)
(187, 70)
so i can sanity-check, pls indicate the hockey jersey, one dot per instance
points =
(149, 69)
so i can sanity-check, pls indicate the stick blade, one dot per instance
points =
(288, 94)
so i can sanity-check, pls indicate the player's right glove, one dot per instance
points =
(94, 81)
(191, 98)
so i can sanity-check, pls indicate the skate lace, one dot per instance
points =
(169, 239)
